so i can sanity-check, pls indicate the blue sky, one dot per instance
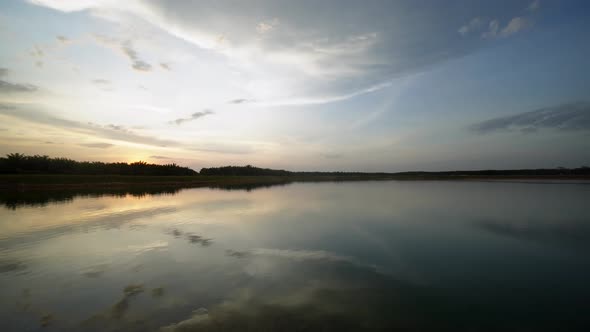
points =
(302, 85)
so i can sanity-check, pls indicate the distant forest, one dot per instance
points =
(251, 170)
(16, 163)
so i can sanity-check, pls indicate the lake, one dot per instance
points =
(349, 256)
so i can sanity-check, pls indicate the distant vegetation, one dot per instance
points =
(244, 171)
(254, 171)
(16, 163)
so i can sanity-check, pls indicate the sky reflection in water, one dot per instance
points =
(313, 256)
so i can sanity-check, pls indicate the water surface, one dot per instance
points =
(413, 255)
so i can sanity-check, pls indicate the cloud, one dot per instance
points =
(310, 52)
(159, 157)
(101, 82)
(126, 48)
(165, 65)
(565, 117)
(240, 101)
(193, 116)
(136, 62)
(8, 87)
(494, 29)
(37, 52)
(475, 24)
(104, 85)
(115, 127)
(63, 39)
(266, 27)
(34, 113)
(226, 148)
(515, 25)
(97, 145)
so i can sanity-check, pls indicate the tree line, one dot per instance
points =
(17, 163)
(248, 170)
(255, 171)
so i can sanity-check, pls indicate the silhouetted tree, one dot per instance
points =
(21, 164)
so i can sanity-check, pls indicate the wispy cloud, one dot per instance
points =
(491, 28)
(267, 26)
(8, 87)
(33, 113)
(37, 52)
(101, 81)
(165, 66)
(534, 6)
(475, 24)
(97, 145)
(225, 148)
(63, 39)
(494, 29)
(136, 62)
(159, 157)
(306, 52)
(193, 117)
(104, 85)
(125, 48)
(240, 101)
(515, 25)
(566, 117)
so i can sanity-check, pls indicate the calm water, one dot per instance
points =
(303, 257)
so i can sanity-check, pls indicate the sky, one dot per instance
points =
(301, 85)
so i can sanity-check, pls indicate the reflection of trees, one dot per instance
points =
(16, 199)
(13, 199)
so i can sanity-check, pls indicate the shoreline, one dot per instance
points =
(21, 182)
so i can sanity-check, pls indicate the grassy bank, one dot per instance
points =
(51, 181)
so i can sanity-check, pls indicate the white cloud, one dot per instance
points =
(515, 25)
(265, 27)
(70, 5)
(475, 24)
(281, 53)
(492, 31)
(300, 52)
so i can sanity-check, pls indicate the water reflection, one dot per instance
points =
(410, 256)
(568, 233)
(17, 199)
